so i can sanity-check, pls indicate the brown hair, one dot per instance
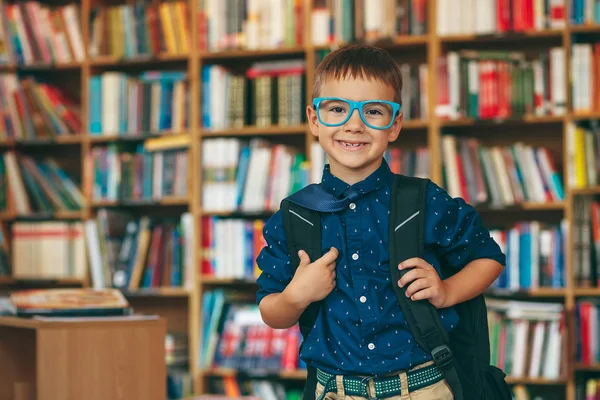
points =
(359, 61)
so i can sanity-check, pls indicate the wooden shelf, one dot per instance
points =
(50, 67)
(158, 292)
(584, 116)
(33, 280)
(586, 292)
(415, 124)
(257, 131)
(211, 280)
(527, 206)
(503, 37)
(585, 191)
(535, 381)
(538, 292)
(54, 141)
(588, 28)
(134, 138)
(111, 61)
(251, 54)
(398, 42)
(237, 213)
(8, 216)
(67, 215)
(172, 201)
(586, 367)
(525, 120)
(411, 40)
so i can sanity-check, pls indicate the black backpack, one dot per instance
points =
(463, 356)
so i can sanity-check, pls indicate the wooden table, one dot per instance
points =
(121, 358)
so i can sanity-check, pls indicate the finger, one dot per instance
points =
(304, 258)
(333, 275)
(331, 266)
(423, 294)
(411, 275)
(417, 285)
(414, 262)
(329, 257)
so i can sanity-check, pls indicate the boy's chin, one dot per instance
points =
(355, 163)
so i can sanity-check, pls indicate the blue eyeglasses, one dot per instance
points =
(376, 114)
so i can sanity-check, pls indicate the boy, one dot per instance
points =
(361, 330)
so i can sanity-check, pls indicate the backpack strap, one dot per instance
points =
(407, 223)
(303, 232)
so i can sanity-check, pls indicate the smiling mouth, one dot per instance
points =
(351, 145)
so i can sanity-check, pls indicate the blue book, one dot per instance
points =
(95, 96)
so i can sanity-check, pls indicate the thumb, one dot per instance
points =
(304, 258)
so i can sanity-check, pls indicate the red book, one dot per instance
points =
(502, 16)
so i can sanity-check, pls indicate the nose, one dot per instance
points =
(354, 123)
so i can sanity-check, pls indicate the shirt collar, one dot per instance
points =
(381, 177)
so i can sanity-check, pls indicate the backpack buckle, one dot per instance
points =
(442, 356)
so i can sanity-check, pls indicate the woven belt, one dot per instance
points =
(385, 386)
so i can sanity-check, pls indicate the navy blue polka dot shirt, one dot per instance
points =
(361, 329)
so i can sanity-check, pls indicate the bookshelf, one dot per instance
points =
(182, 306)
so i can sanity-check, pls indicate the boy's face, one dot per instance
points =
(354, 163)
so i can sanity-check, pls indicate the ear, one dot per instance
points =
(395, 128)
(313, 121)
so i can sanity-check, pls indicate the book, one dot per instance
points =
(69, 302)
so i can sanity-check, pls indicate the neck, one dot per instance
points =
(352, 176)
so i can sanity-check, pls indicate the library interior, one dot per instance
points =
(160, 189)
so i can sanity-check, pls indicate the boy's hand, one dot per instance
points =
(312, 281)
(426, 283)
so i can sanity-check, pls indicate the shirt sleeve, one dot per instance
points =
(454, 229)
(273, 259)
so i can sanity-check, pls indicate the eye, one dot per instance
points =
(337, 109)
(374, 112)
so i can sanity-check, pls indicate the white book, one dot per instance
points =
(110, 104)
(515, 249)
(553, 353)
(538, 87)
(423, 88)
(454, 83)
(449, 160)
(16, 185)
(558, 80)
(502, 175)
(319, 26)
(94, 255)
(539, 331)
(258, 175)
(70, 14)
(521, 327)
(442, 25)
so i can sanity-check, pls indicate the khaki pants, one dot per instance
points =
(438, 391)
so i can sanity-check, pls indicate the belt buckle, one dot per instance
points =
(366, 381)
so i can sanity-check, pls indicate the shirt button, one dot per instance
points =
(371, 346)
(352, 206)
(355, 256)
(363, 299)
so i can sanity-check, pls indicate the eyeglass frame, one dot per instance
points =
(357, 105)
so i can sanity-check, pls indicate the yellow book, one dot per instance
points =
(167, 27)
(180, 12)
(580, 163)
(167, 142)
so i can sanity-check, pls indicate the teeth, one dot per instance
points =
(351, 144)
